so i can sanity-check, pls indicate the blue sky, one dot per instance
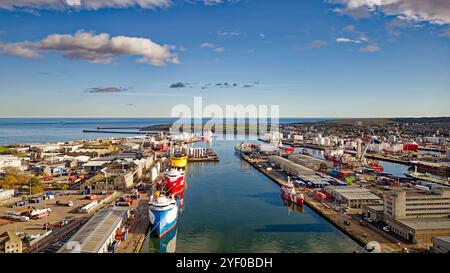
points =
(338, 58)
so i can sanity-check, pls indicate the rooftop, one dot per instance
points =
(355, 193)
(95, 232)
(426, 223)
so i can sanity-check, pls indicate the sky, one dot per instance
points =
(140, 58)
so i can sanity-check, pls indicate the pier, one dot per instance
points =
(116, 132)
(360, 234)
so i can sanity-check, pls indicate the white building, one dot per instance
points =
(6, 194)
(10, 161)
(392, 138)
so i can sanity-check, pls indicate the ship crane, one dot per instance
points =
(360, 154)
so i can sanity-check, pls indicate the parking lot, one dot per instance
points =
(57, 214)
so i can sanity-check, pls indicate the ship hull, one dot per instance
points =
(292, 198)
(175, 187)
(163, 220)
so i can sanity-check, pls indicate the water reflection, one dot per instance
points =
(166, 244)
(232, 207)
(293, 208)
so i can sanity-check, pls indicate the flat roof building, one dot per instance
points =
(353, 197)
(10, 243)
(418, 215)
(401, 204)
(98, 233)
(290, 167)
(373, 212)
(441, 244)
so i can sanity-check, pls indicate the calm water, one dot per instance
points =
(231, 207)
(42, 130)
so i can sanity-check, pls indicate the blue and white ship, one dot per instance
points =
(163, 214)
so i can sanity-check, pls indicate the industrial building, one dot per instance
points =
(353, 197)
(10, 161)
(441, 244)
(418, 215)
(401, 204)
(373, 212)
(10, 243)
(98, 233)
(310, 162)
(290, 167)
(6, 194)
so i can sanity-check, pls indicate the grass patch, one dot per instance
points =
(3, 149)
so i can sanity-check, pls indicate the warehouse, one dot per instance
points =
(373, 212)
(441, 244)
(10, 161)
(290, 167)
(98, 233)
(310, 162)
(420, 230)
(353, 197)
(6, 194)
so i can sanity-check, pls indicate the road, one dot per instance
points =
(56, 235)
(138, 227)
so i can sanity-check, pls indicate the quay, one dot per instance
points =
(118, 128)
(371, 156)
(360, 234)
(432, 149)
(382, 158)
(116, 132)
(204, 159)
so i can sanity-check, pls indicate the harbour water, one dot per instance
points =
(231, 207)
(42, 130)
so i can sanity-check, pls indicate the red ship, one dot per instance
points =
(289, 193)
(174, 181)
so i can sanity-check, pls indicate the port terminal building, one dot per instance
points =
(353, 197)
(441, 244)
(98, 234)
(418, 215)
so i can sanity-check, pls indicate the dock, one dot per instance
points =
(360, 234)
(204, 159)
(138, 228)
(117, 132)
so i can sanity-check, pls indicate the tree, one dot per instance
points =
(36, 185)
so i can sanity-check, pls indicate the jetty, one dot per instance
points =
(348, 225)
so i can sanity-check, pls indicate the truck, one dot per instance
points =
(67, 204)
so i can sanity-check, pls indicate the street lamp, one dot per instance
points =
(106, 179)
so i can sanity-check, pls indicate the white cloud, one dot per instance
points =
(21, 49)
(316, 44)
(33, 5)
(212, 2)
(207, 45)
(370, 48)
(95, 48)
(347, 40)
(82, 4)
(432, 11)
(229, 33)
(349, 28)
(212, 46)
